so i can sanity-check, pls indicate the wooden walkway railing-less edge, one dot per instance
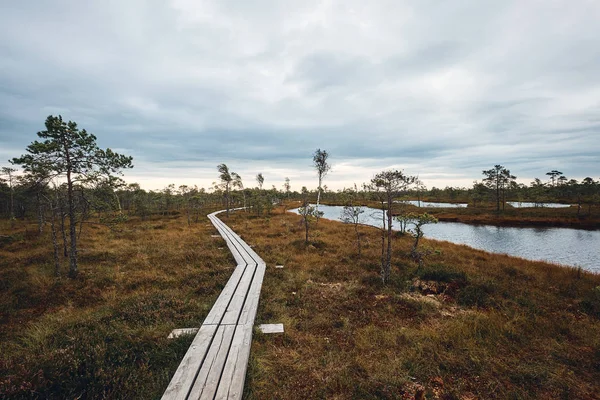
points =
(214, 366)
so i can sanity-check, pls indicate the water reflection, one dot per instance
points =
(565, 246)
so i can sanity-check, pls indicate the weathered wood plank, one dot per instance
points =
(207, 382)
(244, 247)
(248, 313)
(271, 328)
(233, 242)
(234, 373)
(175, 333)
(183, 378)
(215, 365)
(215, 315)
(239, 297)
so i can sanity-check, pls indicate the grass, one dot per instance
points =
(103, 335)
(468, 325)
(511, 216)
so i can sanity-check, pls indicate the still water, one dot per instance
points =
(516, 204)
(524, 204)
(574, 247)
(434, 204)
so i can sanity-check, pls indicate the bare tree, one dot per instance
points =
(418, 220)
(420, 187)
(380, 197)
(308, 213)
(320, 164)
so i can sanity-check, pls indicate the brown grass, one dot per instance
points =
(469, 325)
(502, 327)
(103, 335)
(565, 217)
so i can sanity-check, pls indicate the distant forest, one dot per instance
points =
(67, 182)
(24, 197)
(66, 176)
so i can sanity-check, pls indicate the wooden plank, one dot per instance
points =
(186, 372)
(175, 333)
(234, 373)
(271, 328)
(207, 382)
(215, 365)
(234, 308)
(234, 236)
(215, 315)
(244, 246)
(235, 251)
(233, 244)
(251, 305)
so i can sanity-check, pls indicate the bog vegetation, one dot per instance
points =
(95, 272)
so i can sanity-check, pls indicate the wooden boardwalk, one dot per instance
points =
(214, 366)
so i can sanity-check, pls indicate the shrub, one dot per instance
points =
(591, 302)
(476, 295)
(441, 273)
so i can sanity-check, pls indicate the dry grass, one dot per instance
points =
(469, 325)
(589, 218)
(103, 335)
(501, 327)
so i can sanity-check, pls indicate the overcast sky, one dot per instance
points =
(441, 89)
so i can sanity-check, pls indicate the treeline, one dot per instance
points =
(106, 203)
(67, 181)
(499, 186)
(110, 201)
(584, 194)
(23, 198)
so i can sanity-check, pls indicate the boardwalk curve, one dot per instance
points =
(214, 367)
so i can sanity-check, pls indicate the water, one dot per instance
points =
(574, 247)
(434, 204)
(516, 204)
(524, 204)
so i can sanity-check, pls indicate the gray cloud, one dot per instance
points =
(443, 90)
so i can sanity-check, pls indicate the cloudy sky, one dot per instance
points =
(441, 89)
